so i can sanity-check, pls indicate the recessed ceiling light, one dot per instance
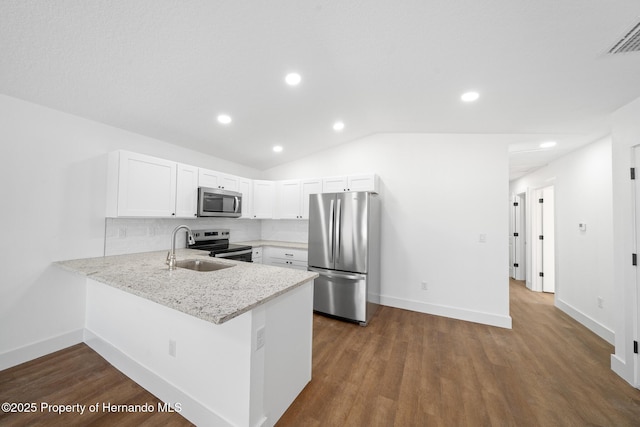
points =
(470, 96)
(224, 119)
(548, 144)
(338, 126)
(293, 79)
(277, 148)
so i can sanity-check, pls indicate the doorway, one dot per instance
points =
(543, 240)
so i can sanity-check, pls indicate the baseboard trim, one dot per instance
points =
(447, 311)
(191, 409)
(620, 367)
(586, 321)
(30, 352)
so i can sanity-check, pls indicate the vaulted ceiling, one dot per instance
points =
(168, 68)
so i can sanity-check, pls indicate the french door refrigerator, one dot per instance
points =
(344, 249)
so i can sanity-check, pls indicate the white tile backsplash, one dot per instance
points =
(132, 235)
(285, 230)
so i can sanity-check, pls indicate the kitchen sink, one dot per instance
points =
(200, 265)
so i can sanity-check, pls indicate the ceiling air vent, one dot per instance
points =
(629, 43)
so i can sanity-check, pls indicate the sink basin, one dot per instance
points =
(200, 265)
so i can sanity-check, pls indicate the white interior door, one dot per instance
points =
(548, 242)
(516, 239)
(636, 215)
(543, 240)
(512, 239)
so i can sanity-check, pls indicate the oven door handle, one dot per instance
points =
(229, 254)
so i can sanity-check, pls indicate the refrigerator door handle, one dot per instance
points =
(338, 233)
(331, 230)
(337, 275)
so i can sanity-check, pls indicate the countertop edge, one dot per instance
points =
(275, 243)
(96, 274)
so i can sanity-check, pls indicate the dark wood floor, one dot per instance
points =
(411, 369)
(404, 369)
(77, 375)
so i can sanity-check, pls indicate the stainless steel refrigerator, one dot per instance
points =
(344, 248)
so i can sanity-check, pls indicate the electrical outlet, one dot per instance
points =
(260, 338)
(482, 238)
(600, 302)
(424, 286)
(122, 232)
(172, 348)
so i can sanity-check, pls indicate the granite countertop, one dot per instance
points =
(276, 243)
(216, 296)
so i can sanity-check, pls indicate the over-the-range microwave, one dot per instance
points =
(218, 202)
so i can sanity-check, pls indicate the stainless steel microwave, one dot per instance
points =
(217, 202)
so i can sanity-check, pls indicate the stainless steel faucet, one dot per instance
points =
(171, 256)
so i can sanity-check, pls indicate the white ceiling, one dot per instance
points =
(166, 68)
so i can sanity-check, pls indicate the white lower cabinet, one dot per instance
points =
(285, 257)
(256, 255)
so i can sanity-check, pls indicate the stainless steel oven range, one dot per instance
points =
(217, 242)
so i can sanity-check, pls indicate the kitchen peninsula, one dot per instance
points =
(231, 347)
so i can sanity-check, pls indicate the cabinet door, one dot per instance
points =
(215, 179)
(146, 186)
(187, 191)
(263, 197)
(245, 186)
(366, 182)
(288, 199)
(309, 186)
(334, 184)
(228, 182)
(208, 178)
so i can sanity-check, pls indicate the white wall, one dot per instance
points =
(53, 190)
(626, 134)
(584, 260)
(438, 194)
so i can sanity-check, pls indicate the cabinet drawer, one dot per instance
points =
(298, 265)
(286, 253)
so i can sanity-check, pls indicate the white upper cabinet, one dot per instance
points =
(288, 197)
(263, 198)
(309, 186)
(293, 197)
(245, 186)
(140, 185)
(334, 184)
(187, 191)
(339, 184)
(144, 186)
(214, 179)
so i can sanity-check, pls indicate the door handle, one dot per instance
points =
(331, 230)
(338, 233)
(335, 275)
